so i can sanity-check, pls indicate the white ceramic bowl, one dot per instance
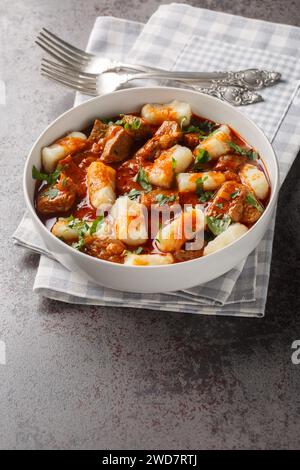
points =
(153, 278)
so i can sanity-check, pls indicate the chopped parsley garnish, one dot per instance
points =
(252, 201)
(235, 194)
(82, 228)
(139, 250)
(52, 193)
(202, 156)
(134, 125)
(142, 179)
(219, 205)
(203, 128)
(199, 184)
(96, 224)
(174, 162)
(218, 224)
(50, 179)
(205, 196)
(163, 199)
(249, 153)
(79, 244)
(133, 194)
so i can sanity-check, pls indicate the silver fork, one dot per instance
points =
(71, 56)
(98, 84)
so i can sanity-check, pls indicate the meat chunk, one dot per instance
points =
(126, 176)
(228, 200)
(137, 127)
(117, 145)
(107, 249)
(250, 214)
(99, 130)
(58, 198)
(166, 136)
(191, 140)
(230, 162)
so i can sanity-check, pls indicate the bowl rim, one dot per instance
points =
(211, 256)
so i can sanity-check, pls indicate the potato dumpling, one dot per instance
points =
(232, 233)
(216, 144)
(174, 111)
(101, 182)
(210, 180)
(155, 259)
(255, 179)
(129, 221)
(72, 143)
(169, 163)
(183, 228)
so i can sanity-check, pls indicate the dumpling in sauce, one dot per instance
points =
(174, 111)
(72, 143)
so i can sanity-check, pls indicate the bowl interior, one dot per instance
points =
(131, 100)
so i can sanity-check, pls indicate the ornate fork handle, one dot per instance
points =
(253, 79)
(235, 95)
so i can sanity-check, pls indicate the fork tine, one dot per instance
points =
(67, 69)
(87, 86)
(68, 84)
(74, 49)
(42, 37)
(73, 80)
(58, 55)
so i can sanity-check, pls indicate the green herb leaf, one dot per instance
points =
(52, 193)
(79, 244)
(205, 196)
(142, 179)
(50, 179)
(219, 205)
(174, 162)
(203, 128)
(134, 125)
(81, 226)
(202, 156)
(252, 201)
(218, 224)
(37, 175)
(139, 250)
(199, 184)
(235, 194)
(96, 224)
(133, 194)
(249, 153)
(162, 199)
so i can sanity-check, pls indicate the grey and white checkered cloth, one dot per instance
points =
(178, 36)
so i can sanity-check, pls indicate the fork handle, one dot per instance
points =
(253, 79)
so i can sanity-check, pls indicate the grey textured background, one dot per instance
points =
(89, 377)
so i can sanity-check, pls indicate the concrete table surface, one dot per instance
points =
(89, 377)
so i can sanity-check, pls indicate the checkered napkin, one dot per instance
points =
(181, 37)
